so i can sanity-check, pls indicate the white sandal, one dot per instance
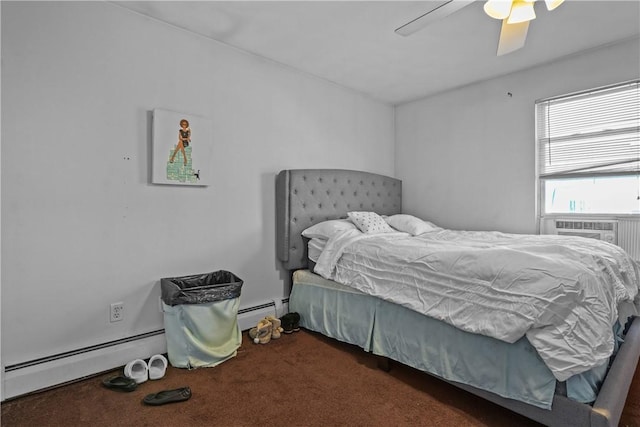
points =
(137, 370)
(157, 367)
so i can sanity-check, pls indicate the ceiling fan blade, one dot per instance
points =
(512, 37)
(440, 11)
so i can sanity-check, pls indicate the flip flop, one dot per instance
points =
(138, 370)
(120, 383)
(168, 396)
(157, 367)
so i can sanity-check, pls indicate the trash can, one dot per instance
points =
(201, 318)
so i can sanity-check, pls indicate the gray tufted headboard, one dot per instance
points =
(307, 196)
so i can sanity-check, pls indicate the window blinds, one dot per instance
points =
(590, 133)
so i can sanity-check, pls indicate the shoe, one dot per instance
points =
(296, 321)
(290, 322)
(168, 396)
(120, 383)
(157, 367)
(276, 327)
(287, 323)
(261, 334)
(137, 370)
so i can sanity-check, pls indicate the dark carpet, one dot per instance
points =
(302, 379)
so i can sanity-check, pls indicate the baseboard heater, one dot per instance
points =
(75, 365)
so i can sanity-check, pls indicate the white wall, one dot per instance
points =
(82, 226)
(466, 156)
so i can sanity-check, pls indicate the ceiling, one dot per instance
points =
(353, 44)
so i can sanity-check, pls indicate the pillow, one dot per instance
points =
(314, 248)
(326, 229)
(370, 222)
(410, 224)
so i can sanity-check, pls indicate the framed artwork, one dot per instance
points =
(182, 149)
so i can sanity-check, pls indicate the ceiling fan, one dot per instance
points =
(515, 16)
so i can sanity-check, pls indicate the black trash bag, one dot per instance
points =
(200, 288)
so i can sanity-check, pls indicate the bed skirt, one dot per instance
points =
(403, 335)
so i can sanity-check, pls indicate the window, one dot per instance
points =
(588, 151)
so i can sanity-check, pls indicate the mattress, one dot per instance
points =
(513, 371)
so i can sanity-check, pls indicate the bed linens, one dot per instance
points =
(314, 248)
(561, 292)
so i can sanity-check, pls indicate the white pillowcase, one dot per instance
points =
(326, 229)
(370, 222)
(315, 248)
(410, 224)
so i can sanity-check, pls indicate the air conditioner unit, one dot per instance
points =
(606, 230)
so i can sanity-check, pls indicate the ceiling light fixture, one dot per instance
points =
(498, 9)
(521, 11)
(515, 16)
(516, 11)
(552, 4)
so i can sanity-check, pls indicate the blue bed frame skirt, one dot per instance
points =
(513, 371)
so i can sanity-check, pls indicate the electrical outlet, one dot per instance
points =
(117, 311)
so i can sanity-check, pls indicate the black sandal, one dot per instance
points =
(168, 396)
(120, 383)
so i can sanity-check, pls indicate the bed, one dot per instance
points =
(511, 374)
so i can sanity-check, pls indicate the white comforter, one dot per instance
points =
(563, 293)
